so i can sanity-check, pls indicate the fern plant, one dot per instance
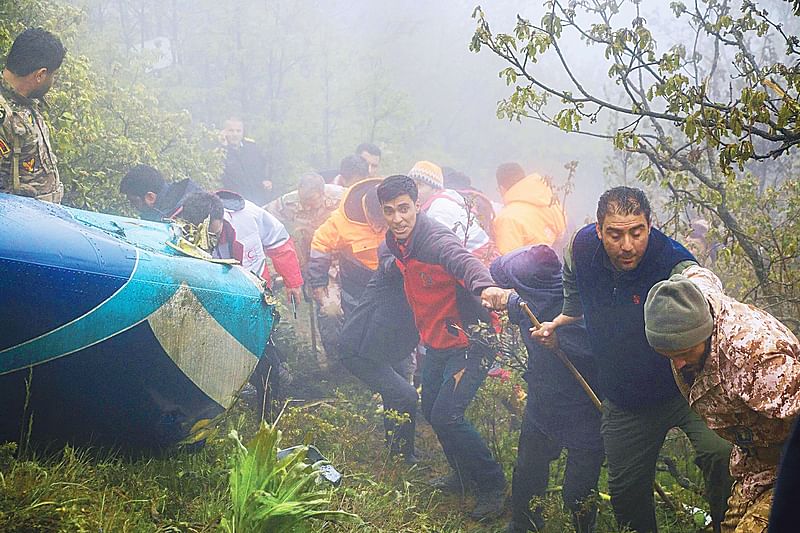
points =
(275, 495)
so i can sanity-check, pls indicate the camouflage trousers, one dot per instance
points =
(747, 516)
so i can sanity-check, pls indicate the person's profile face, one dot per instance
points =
(311, 200)
(44, 82)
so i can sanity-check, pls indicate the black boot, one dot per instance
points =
(490, 504)
(400, 438)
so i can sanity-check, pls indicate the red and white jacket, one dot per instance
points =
(442, 281)
(251, 235)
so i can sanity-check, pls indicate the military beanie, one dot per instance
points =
(676, 315)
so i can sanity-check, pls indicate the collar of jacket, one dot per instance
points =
(406, 250)
(9, 92)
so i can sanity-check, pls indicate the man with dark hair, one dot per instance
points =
(245, 169)
(609, 267)
(445, 286)
(352, 169)
(148, 191)
(28, 165)
(532, 213)
(372, 155)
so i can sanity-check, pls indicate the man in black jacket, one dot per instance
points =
(245, 169)
(148, 191)
(375, 346)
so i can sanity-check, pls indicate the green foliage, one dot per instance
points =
(103, 120)
(710, 124)
(272, 494)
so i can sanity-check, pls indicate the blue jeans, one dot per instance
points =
(450, 380)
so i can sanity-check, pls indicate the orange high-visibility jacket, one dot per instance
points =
(532, 215)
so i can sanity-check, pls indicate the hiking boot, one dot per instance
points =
(490, 504)
(409, 459)
(450, 484)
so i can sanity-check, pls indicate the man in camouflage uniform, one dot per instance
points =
(302, 211)
(739, 367)
(27, 162)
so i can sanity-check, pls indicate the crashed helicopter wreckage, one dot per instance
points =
(110, 335)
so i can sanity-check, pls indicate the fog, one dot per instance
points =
(312, 79)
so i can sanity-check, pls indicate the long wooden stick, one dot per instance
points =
(564, 359)
(588, 389)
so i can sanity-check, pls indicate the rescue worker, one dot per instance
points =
(451, 209)
(442, 281)
(148, 191)
(352, 169)
(558, 413)
(352, 234)
(241, 230)
(739, 368)
(372, 155)
(245, 170)
(28, 164)
(237, 228)
(531, 214)
(608, 268)
(303, 211)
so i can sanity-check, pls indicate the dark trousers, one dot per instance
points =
(265, 377)
(532, 471)
(450, 380)
(633, 440)
(393, 382)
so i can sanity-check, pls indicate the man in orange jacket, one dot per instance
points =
(532, 213)
(352, 232)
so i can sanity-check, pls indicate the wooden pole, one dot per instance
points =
(588, 389)
(564, 359)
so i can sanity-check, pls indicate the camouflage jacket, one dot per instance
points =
(748, 389)
(25, 144)
(302, 222)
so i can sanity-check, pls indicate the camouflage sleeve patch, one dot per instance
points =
(4, 148)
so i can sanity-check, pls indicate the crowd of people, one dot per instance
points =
(408, 274)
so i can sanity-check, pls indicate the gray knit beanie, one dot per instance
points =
(676, 315)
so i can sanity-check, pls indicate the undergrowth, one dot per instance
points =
(91, 490)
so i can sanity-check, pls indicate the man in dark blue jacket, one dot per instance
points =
(558, 414)
(609, 267)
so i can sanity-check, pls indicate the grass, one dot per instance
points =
(189, 491)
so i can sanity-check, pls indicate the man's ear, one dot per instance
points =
(599, 229)
(150, 198)
(40, 75)
(417, 206)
